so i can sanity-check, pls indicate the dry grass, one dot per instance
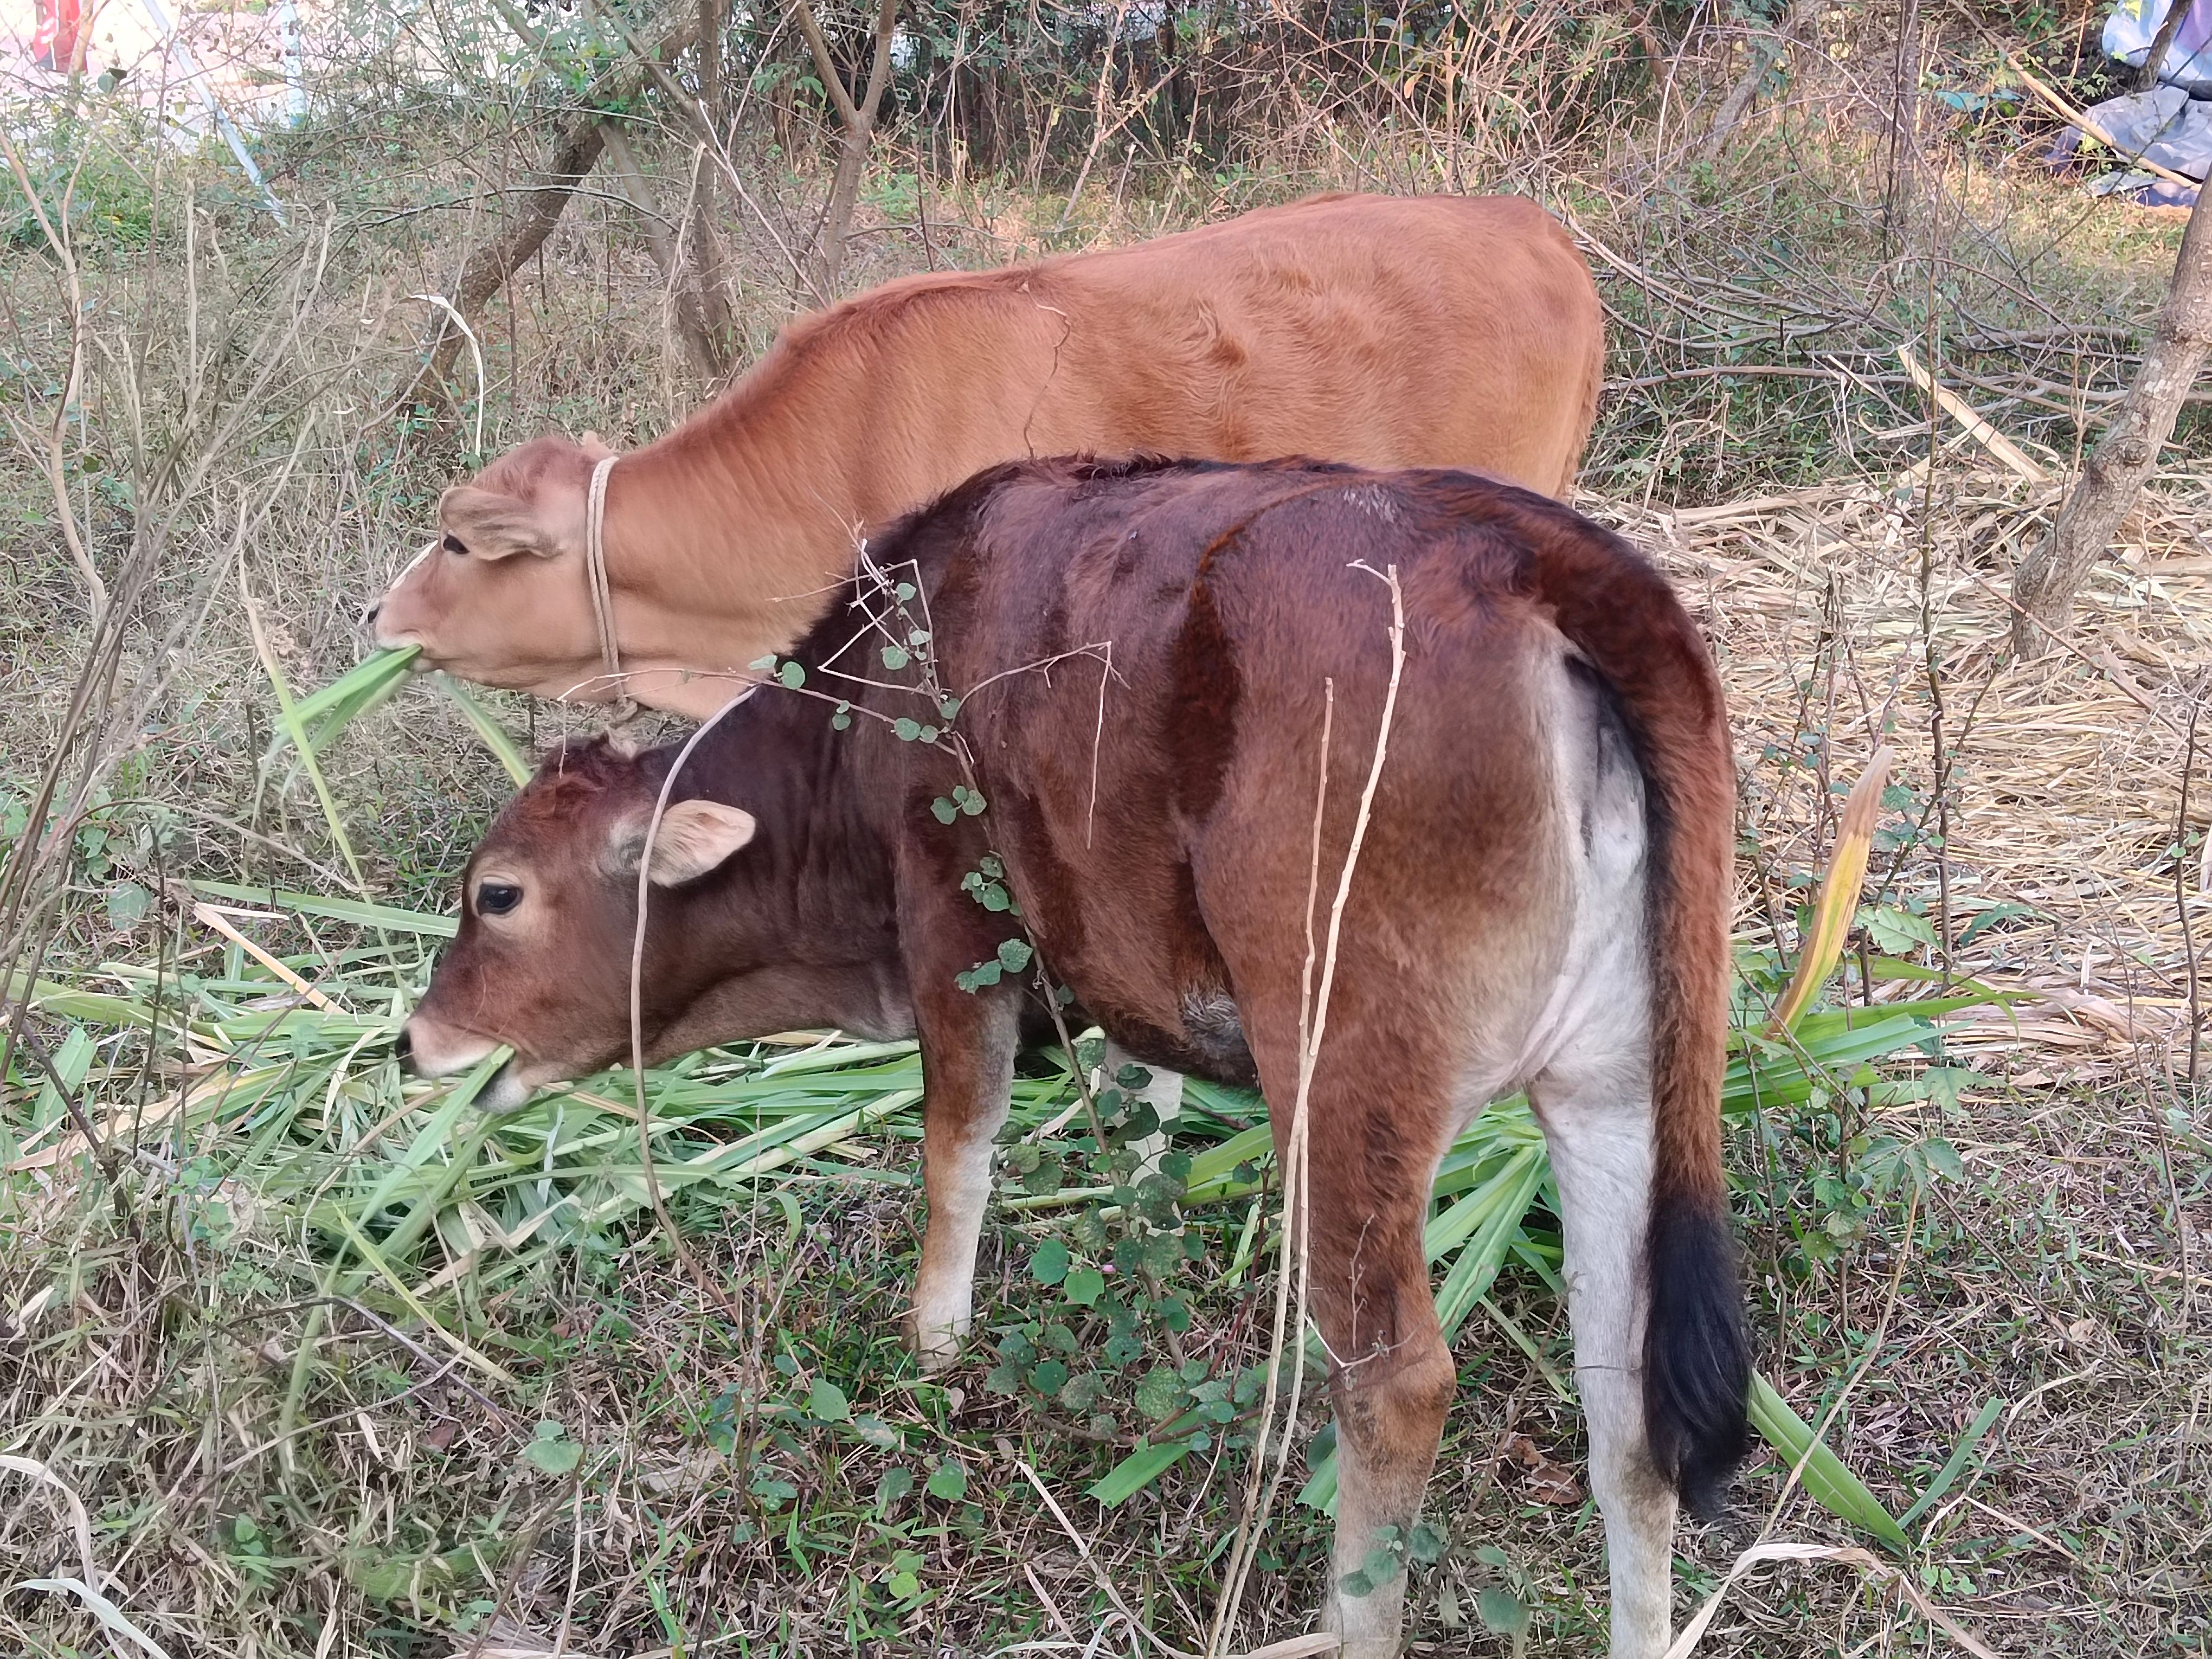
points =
(2067, 1273)
(2068, 771)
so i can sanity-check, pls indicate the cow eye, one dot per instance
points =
(497, 898)
(454, 546)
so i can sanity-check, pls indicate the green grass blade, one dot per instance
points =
(288, 712)
(1953, 1465)
(1832, 1485)
(1501, 1206)
(382, 1265)
(495, 735)
(387, 917)
(433, 1134)
(1138, 1471)
(325, 713)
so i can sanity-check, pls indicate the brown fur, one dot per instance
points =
(1456, 332)
(1229, 596)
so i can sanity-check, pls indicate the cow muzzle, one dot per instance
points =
(427, 1048)
(381, 628)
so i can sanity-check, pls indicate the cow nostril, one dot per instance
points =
(368, 617)
(403, 1047)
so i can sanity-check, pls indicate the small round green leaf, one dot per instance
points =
(1049, 1265)
(1160, 1395)
(1502, 1612)
(1050, 1378)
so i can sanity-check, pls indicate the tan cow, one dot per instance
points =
(1389, 332)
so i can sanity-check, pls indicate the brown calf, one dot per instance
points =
(1439, 331)
(1541, 901)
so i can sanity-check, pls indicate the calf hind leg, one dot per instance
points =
(1391, 1381)
(1600, 1137)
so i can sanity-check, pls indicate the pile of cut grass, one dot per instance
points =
(239, 1097)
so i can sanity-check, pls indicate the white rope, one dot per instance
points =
(595, 566)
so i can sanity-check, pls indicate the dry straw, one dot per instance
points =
(2065, 773)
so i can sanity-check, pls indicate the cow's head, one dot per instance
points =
(549, 904)
(501, 596)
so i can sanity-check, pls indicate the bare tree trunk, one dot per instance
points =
(704, 244)
(573, 153)
(2049, 577)
(1903, 112)
(683, 294)
(486, 269)
(709, 270)
(860, 124)
(2147, 76)
(1764, 52)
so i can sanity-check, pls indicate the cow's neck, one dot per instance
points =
(726, 541)
(729, 538)
(779, 758)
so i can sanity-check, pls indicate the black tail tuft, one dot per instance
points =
(1697, 1354)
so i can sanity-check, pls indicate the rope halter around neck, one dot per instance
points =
(603, 606)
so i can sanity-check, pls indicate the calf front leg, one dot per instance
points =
(967, 1071)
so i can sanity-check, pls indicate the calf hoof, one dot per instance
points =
(1358, 1642)
(933, 1349)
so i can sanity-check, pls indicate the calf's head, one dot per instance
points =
(501, 596)
(549, 904)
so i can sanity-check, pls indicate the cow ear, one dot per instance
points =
(594, 447)
(694, 837)
(491, 526)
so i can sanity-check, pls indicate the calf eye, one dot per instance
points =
(497, 898)
(452, 544)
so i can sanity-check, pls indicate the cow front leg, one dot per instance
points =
(968, 1073)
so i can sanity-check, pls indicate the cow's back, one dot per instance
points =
(1459, 332)
(1384, 332)
(1159, 648)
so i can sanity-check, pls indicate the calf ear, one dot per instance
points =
(492, 525)
(696, 836)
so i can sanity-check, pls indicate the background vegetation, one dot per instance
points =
(299, 1360)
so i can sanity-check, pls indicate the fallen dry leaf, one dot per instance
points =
(1547, 1482)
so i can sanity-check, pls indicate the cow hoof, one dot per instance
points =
(933, 1350)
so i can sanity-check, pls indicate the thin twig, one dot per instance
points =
(1296, 1182)
(1099, 1571)
(2181, 898)
(637, 1021)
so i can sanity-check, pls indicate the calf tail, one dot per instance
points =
(1619, 612)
